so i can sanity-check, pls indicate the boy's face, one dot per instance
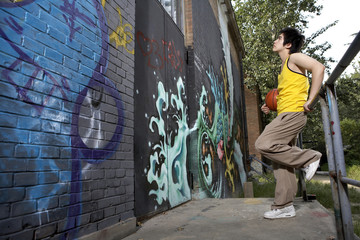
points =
(279, 44)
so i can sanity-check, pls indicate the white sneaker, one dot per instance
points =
(286, 212)
(311, 169)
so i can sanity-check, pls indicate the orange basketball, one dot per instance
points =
(270, 99)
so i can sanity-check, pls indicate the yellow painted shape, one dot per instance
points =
(252, 201)
(121, 36)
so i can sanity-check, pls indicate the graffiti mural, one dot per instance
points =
(54, 58)
(219, 153)
(161, 149)
(184, 146)
(219, 139)
(168, 161)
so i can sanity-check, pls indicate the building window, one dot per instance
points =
(175, 8)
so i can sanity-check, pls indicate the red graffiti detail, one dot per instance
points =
(158, 54)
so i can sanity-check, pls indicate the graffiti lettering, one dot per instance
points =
(121, 37)
(173, 55)
(74, 12)
(158, 54)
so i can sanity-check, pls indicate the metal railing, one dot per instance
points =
(334, 146)
(253, 157)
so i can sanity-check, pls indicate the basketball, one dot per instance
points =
(270, 99)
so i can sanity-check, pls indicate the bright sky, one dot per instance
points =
(341, 35)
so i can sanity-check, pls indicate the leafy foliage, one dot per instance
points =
(259, 22)
(347, 91)
(353, 172)
(350, 131)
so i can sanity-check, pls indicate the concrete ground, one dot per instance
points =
(237, 218)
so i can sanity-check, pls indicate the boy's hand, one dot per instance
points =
(307, 107)
(265, 109)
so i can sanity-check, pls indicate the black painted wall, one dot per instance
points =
(160, 113)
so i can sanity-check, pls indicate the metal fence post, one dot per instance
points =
(348, 228)
(331, 164)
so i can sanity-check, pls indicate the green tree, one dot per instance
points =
(350, 131)
(347, 92)
(259, 22)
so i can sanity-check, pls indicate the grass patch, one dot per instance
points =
(264, 186)
(322, 192)
(353, 172)
(324, 195)
(266, 189)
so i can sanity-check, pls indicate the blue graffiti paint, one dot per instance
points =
(79, 149)
(46, 82)
(37, 64)
(72, 14)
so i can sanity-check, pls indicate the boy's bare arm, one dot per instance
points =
(316, 68)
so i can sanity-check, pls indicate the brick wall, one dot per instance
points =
(253, 124)
(188, 23)
(66, 117)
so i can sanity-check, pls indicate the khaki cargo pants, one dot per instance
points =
(277, 143)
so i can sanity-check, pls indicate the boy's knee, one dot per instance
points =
(261, 146)
(258, 145)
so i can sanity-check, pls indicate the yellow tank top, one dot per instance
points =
(293, 90)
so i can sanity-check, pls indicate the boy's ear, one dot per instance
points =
(288, 45)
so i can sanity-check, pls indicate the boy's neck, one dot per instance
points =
(284, 55)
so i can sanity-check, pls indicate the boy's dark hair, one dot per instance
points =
(293, 36)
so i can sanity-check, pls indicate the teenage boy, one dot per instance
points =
(277, 141)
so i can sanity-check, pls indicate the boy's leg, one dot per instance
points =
(286, 186)
(274, 141)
